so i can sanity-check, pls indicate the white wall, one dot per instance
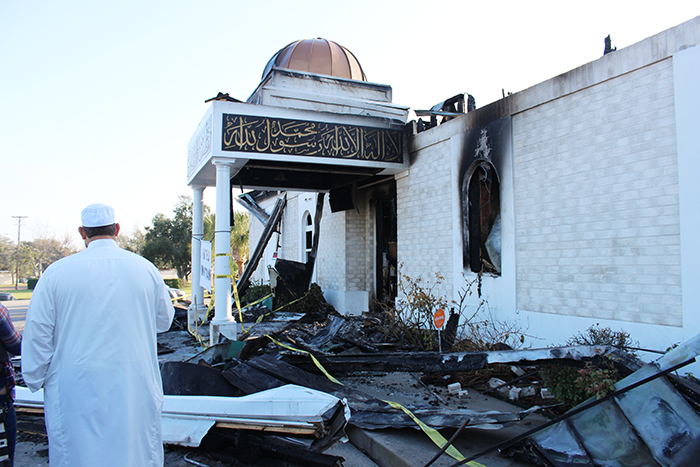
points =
(686, 73)
(596, 183)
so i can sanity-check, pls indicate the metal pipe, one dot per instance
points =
(448, 444)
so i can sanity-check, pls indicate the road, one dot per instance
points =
(18, 312)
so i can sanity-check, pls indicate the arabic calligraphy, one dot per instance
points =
(306, 138)
(199, 147)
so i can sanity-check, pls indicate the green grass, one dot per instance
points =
(21, 294)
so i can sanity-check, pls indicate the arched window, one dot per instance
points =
(308, 235)
(482, 229)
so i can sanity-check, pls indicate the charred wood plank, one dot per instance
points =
(291, 374)
(388, 362)
(367, 412)
(360, 345)
(188, 379)
(377, 418)
(436, 362)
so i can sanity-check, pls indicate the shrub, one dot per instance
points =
(412, 318)
(573, 386)
(174, 283)
(481, 330)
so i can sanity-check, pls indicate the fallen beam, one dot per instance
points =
(270, 228)
(436, 362)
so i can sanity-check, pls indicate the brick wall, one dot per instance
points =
(356, 269)
(596, 198)
(424, 214)
(290, 226)
(331, 266)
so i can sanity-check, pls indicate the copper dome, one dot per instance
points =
(319, 56)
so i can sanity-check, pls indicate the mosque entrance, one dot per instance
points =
(386, 245)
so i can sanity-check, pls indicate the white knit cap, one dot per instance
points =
(97, 215)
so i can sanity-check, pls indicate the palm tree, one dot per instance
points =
(240, 236)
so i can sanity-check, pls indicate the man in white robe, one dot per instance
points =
(90, 341)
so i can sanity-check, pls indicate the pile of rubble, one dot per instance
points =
(276, 394)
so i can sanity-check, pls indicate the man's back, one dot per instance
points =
(90, 342)
(100, 296)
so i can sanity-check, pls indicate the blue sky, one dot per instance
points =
(99, 99)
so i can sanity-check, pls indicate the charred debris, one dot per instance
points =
(278, 395)
(306, 344)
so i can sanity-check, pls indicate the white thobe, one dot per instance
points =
(90, 341)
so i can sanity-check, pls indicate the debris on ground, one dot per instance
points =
(251, 396)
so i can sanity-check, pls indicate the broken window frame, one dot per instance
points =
(481, 187)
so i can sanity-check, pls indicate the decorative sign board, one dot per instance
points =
(245, 133)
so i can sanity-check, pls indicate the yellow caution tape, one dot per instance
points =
(434, 435)
(261, 300)
(292, 302)
(316, 362)
(199, 339)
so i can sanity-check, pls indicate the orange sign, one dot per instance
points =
(439, 318)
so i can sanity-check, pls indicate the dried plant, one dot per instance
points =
(595, 335)
(481, 330)
(411, 320)
(413, 314)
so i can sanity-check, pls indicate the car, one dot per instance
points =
(7, 296)
(176, 294)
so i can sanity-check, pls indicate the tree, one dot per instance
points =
(240, 234)
(7, 251)
(132, 242)
(43, 251)
(168, 242)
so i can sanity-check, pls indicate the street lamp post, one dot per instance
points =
(19, 225)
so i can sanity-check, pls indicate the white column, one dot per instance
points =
(199, 311)
(223, 321)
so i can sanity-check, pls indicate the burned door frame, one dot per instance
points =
(383, 197)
